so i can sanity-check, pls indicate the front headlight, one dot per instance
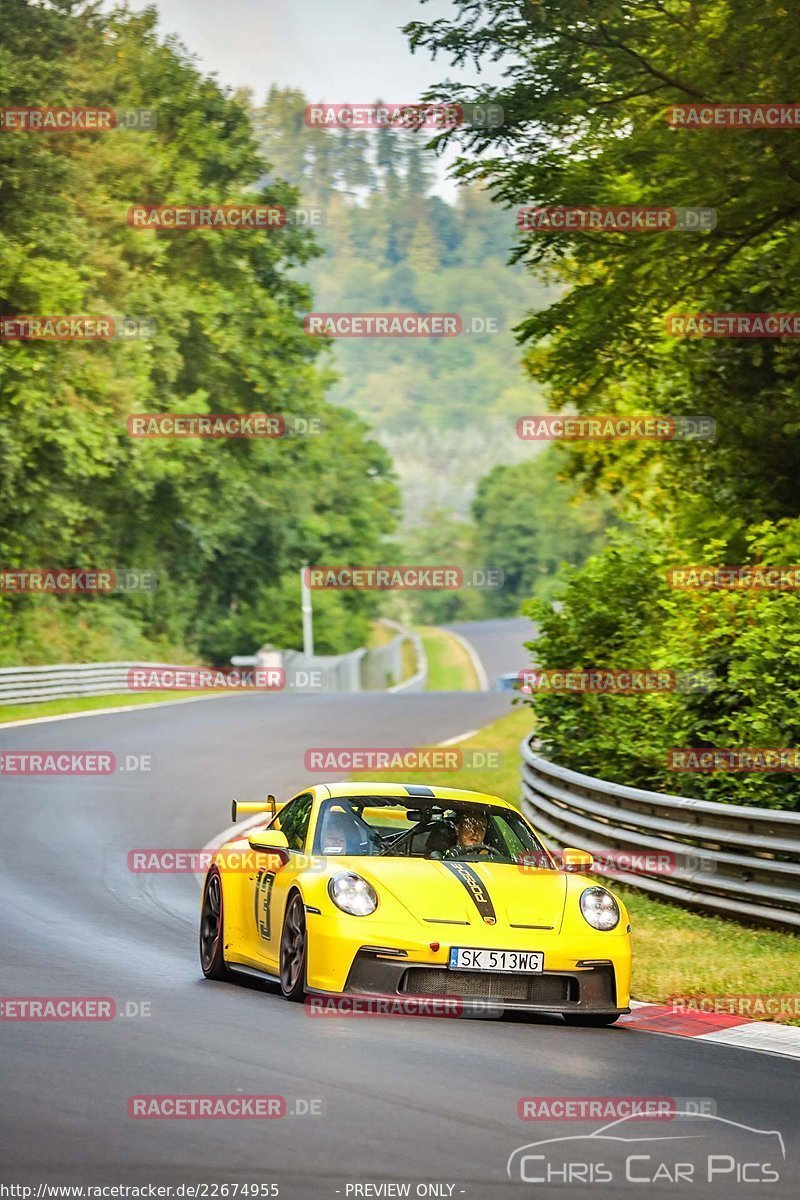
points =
(352, 894)
(599, 908)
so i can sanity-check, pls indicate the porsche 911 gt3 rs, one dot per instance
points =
(400, 890)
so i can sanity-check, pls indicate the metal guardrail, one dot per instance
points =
(26, 685)
(367, 669)
(323, 672)
(723, 858)
(338, 673)
(417, 681)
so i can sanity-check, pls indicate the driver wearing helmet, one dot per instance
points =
(470, 832)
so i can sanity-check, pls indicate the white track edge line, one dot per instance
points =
(478, 667)
(460, 737)
(103, 712)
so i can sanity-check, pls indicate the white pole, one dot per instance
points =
(308, 617)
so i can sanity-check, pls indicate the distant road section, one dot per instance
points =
(500, 645)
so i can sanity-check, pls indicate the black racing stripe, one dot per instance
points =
(476, 888)
(416, 790)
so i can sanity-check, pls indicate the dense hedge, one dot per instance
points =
(619, 612)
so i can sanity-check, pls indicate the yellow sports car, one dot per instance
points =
(376, 889)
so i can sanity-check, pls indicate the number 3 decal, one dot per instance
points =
(263, 893)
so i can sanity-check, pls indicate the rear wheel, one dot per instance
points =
(591, 1020)
(293, 950)
(211, 929)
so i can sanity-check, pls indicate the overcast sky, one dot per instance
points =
(334, 50)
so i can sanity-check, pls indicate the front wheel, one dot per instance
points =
(293, 950)
(591, 1020)
(211, 929)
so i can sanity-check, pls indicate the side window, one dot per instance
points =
(506, 838)
(283, 815)
(294, 821)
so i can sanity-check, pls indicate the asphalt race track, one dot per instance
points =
(410, 1100)
(500, 645)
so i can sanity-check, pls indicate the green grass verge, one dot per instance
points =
(676, 951)
(679, 952)
(409, 659)
(54, 708)
(450, 668)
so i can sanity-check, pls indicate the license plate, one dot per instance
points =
(464, 958)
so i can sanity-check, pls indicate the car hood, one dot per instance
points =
(472, 893)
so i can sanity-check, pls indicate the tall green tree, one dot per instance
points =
(586, 91)
(225, 524)
(531, 522)
(587, 87)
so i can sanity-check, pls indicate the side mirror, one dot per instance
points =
(274, 843)
(576, 860)
(269, 839)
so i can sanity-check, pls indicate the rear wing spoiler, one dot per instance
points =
(242, 808)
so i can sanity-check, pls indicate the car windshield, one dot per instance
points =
(447, 830)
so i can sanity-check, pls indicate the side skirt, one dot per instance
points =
(253, 972)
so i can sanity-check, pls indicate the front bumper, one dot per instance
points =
(591, 989)
(584, 970)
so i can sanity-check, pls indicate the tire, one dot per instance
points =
(212, 939)
(591, 1020)
(294, 949)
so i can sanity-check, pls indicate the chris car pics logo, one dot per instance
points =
(700, 1148)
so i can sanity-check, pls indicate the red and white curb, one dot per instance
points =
(721, 1028)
